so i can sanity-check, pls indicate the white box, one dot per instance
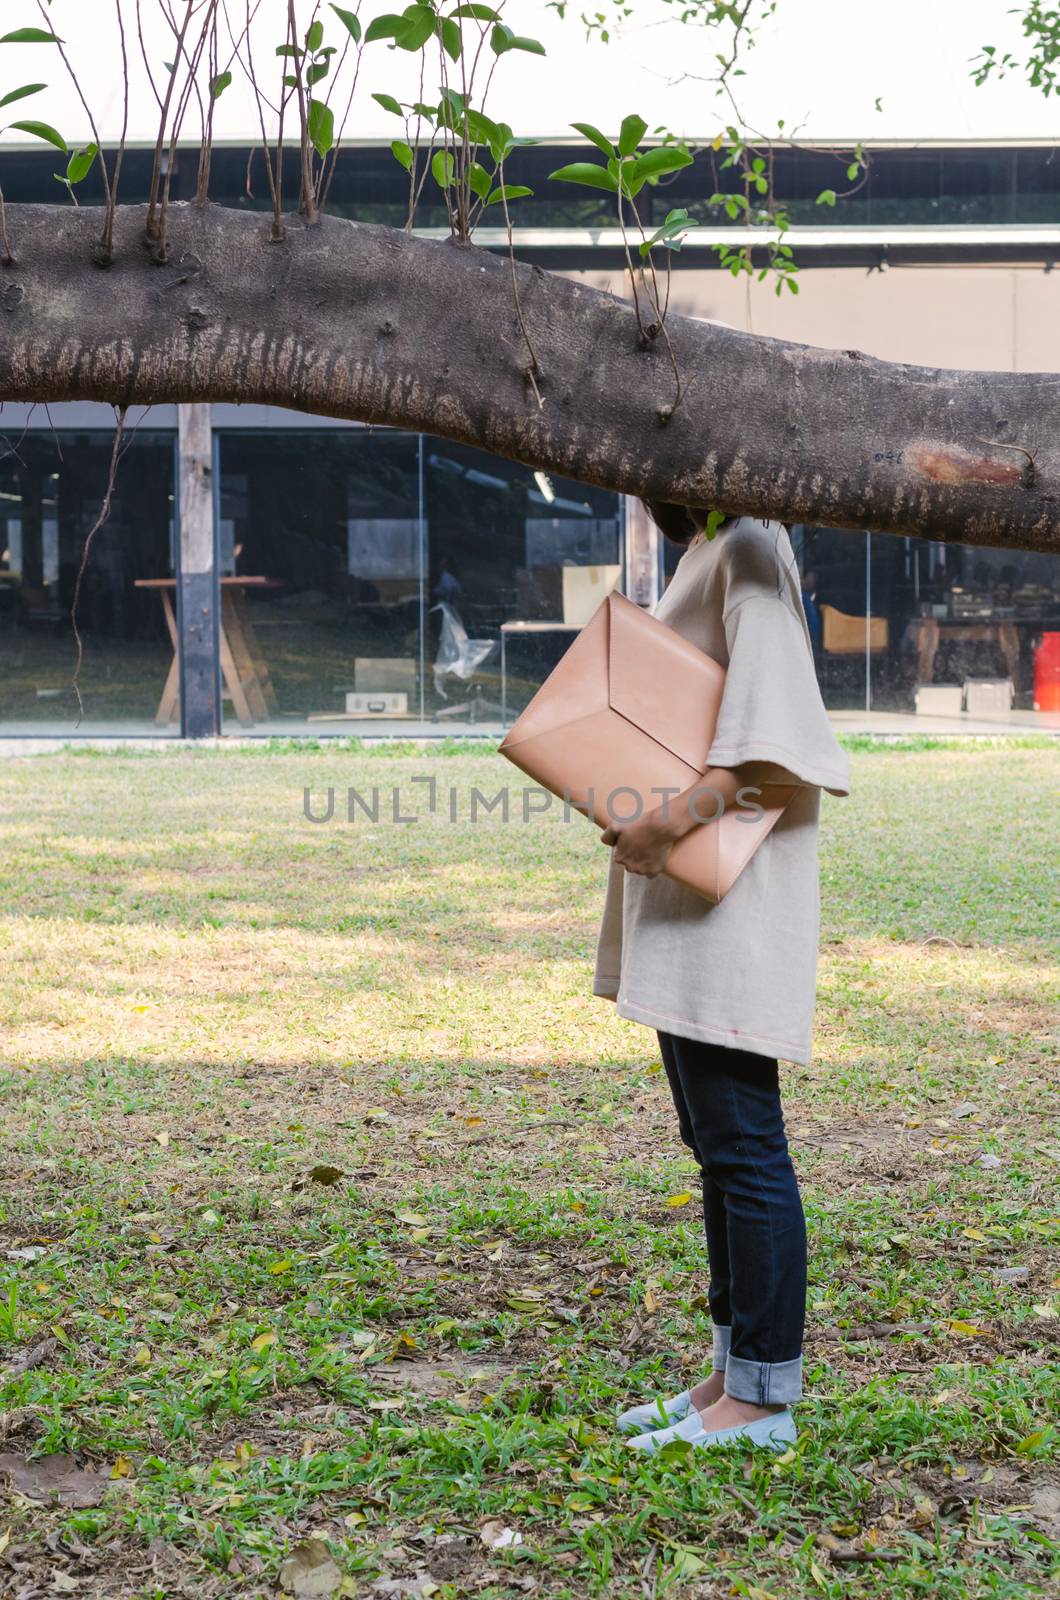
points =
(939, 700)
(583, 590)
(383, 704)
(983, 696)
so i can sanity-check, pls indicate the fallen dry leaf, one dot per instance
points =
(52, 1480)
(496, 1535)
(310, 1569)
(325, 1174)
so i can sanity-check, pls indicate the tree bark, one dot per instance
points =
(353, 320)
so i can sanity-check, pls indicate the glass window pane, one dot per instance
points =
(327, 522)
(510, 546)
(832, 568)
(51, 489)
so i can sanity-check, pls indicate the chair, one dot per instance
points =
(460, 657)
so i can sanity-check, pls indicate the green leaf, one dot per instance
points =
(23, 93)
(479, 179)
(508, 191)
(351, 23)
(588, 173)
(826, 197)
(671, 233)
(402, 152)
(388, 103)
(595, 137)
(387, 26)
(315, 37)
(219, 84)
(30, 36)
(501, 39)
(321, 127)
(630, 134)
(667, 158)
(318, 70)
(41, 130)
(80, 163)
(533, 47)
(418, 28)
(852, 171)
(482, 129)
(281, 50)
(629, 182)
(450, 37)
(443, 169)
(477, 13)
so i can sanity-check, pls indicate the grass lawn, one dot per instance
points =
(337, 1217)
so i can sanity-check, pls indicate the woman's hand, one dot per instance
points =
(643, 846)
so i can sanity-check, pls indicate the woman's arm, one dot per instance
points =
(642, 846)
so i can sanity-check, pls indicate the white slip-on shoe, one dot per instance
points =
(775, 1432)
(655, 1414)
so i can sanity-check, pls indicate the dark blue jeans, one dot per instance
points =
(728, 1109)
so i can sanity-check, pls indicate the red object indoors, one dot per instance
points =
(1047, 673)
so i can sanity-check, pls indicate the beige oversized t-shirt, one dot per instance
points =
(742, 973)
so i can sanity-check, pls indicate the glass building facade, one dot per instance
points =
(367, 575)
(357, 568)
(51, 487)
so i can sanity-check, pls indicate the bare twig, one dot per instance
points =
(143, 53)
(104, 513)
(307, 195)
(108, 196)
(324, 188)
(107, 239)
(152, 227)
(533, 369)
(6, 259)
(35, 1356)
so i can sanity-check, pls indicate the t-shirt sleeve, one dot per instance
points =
(771, 707)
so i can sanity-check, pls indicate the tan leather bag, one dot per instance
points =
(632, 708)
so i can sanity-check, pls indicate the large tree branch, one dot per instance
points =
(352, 320)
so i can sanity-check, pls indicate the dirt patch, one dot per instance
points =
(456, 1373)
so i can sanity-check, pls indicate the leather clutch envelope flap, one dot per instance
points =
(626, 718)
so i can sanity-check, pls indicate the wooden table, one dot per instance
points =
(246, 676)
(927, 633)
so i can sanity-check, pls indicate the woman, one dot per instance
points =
(730, 988)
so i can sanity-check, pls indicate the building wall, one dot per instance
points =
(994, 318)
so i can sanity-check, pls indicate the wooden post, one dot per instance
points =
(198, 590)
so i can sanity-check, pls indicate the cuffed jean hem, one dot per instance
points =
(722, 1340)
(763, 1383)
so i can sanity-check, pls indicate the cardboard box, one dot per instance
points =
(584, 588)
(385, 674)
(939, 700)
(984, 696)
(377, 705)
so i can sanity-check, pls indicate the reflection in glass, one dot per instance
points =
(51, 487)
